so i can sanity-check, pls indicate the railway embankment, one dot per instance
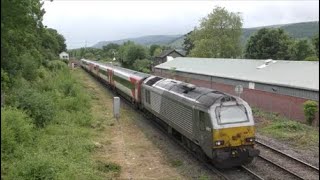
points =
(294, 138)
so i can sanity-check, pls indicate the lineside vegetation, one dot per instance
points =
(45, 128)
(278, 127)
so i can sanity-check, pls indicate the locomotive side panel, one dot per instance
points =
(174, 113)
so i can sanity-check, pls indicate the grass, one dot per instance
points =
(293, 132)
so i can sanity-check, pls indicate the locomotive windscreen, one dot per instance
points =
(153, 80)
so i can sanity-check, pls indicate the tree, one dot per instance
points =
(269, 44)
(129, 52)
(187, 43)
(142, 65)
(153, 48)
(300, 50)
(218, 35)
(53, 43)
(157, 52)
(21, 29)
(315, 42)
(110, 50)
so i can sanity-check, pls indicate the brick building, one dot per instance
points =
(272, 85)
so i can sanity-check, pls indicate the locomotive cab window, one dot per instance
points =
(231, 114)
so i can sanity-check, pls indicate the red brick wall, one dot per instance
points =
(288, 106)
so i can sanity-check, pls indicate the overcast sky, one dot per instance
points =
(105, 20)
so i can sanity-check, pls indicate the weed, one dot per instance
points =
(203, 177)
(176, 163)
(294, 132)
(108, 167)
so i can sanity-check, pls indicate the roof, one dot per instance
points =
(296, 74)
(167, 52)
(64, 53)
(128, 71)
(201, 95)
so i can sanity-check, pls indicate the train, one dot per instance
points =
(217, 126)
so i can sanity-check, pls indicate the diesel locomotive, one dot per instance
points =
(217, 126)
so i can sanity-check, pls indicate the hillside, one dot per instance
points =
(295, 30)
(144, 40)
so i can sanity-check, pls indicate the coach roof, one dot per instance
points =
(296, 74)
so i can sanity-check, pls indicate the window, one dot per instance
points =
(147, 95)
(153, 81)
(231, 114)
(124, 82)
(202, 119)
(103, 72)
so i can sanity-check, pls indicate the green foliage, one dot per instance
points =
(268, 44)
(310, 109)
(300, 50)
(153, 48)
(56, 65)
(24, 40)
(110, 50)
(218, 35)
(187, 43)
(61, 148)
(142, 65)
(5, 81)
(279, 127)
(129, 52)
(312, 58)
(157, 52)
(53, 43)
(108, 167)
(176, 163)
(38, 105)
(16, 130)
(315, 42)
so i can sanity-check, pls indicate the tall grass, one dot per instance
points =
(45, 128)
(279, 127)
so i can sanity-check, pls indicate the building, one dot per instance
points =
(64, 55)
(164, 56)
(272, 85)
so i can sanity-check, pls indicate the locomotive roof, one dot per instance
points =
(190, 92)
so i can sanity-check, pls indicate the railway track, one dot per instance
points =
(283, 165)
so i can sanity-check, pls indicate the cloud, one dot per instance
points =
(94, 21)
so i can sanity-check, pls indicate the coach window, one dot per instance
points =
(147, 96)
(201, 120)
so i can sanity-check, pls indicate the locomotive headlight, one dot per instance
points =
(250, 139)
(219, 143)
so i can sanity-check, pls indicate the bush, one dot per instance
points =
(38, 105)
(142, 65)
(312, 58)
(16, 129)
(310, 110)
(34, 166)
(5, 81)
(56, 65)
